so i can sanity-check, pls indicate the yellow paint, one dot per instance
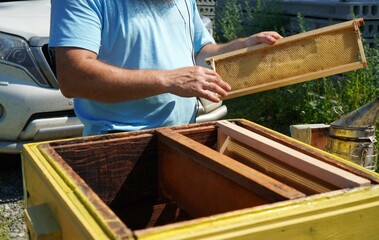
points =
(83, 198)
(343, 214)
(338, 215)
(46, 186)
(41, 223)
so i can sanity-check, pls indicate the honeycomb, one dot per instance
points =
(304, 57)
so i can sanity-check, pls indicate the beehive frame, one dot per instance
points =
(307, 173)
(302, 57)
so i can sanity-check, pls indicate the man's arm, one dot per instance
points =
(210, 50)
(80, 74)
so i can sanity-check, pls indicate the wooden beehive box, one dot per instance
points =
(226, 179)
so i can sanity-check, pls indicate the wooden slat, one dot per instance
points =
(348, 24)
(322, 170)
(274, 168)
(306, 149)
(359, 42)
(222, 141)
(202, 181)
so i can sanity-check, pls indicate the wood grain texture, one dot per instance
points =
(306, 149)
(202, 181)
(322, 170)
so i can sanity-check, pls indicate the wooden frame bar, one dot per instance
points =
(322, 170)
(203, 181)
(354, 24)
(313, 152)
(247, 85)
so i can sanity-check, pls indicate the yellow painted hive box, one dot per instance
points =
(228, 179)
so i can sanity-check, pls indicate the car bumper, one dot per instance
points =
(44, 129)
(31, 113)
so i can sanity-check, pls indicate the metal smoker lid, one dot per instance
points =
(364, 116)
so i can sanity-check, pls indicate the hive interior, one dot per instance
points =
(132, 174)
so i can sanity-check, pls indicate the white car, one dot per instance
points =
(32, 107)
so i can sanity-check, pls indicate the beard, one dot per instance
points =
(161, 1)
(162, 6)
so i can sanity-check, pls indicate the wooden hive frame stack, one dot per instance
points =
(205, 181)
(296, 169)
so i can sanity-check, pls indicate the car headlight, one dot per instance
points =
(16, 52)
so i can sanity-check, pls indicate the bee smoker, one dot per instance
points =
(352, 137)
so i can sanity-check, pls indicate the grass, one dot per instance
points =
(11, 222)
(4, 224)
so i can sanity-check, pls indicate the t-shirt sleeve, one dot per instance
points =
(201, 34)
(76, 23)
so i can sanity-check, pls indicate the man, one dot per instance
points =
(132, 65)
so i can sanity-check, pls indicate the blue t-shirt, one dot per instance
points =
(143, 34)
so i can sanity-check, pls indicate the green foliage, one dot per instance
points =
(339, 95)
(230, 24)
(318, 101)
(302, 22)
(266, 16)
(233, 22)
(4, 225)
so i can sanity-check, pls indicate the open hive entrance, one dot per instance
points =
(157, 177)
